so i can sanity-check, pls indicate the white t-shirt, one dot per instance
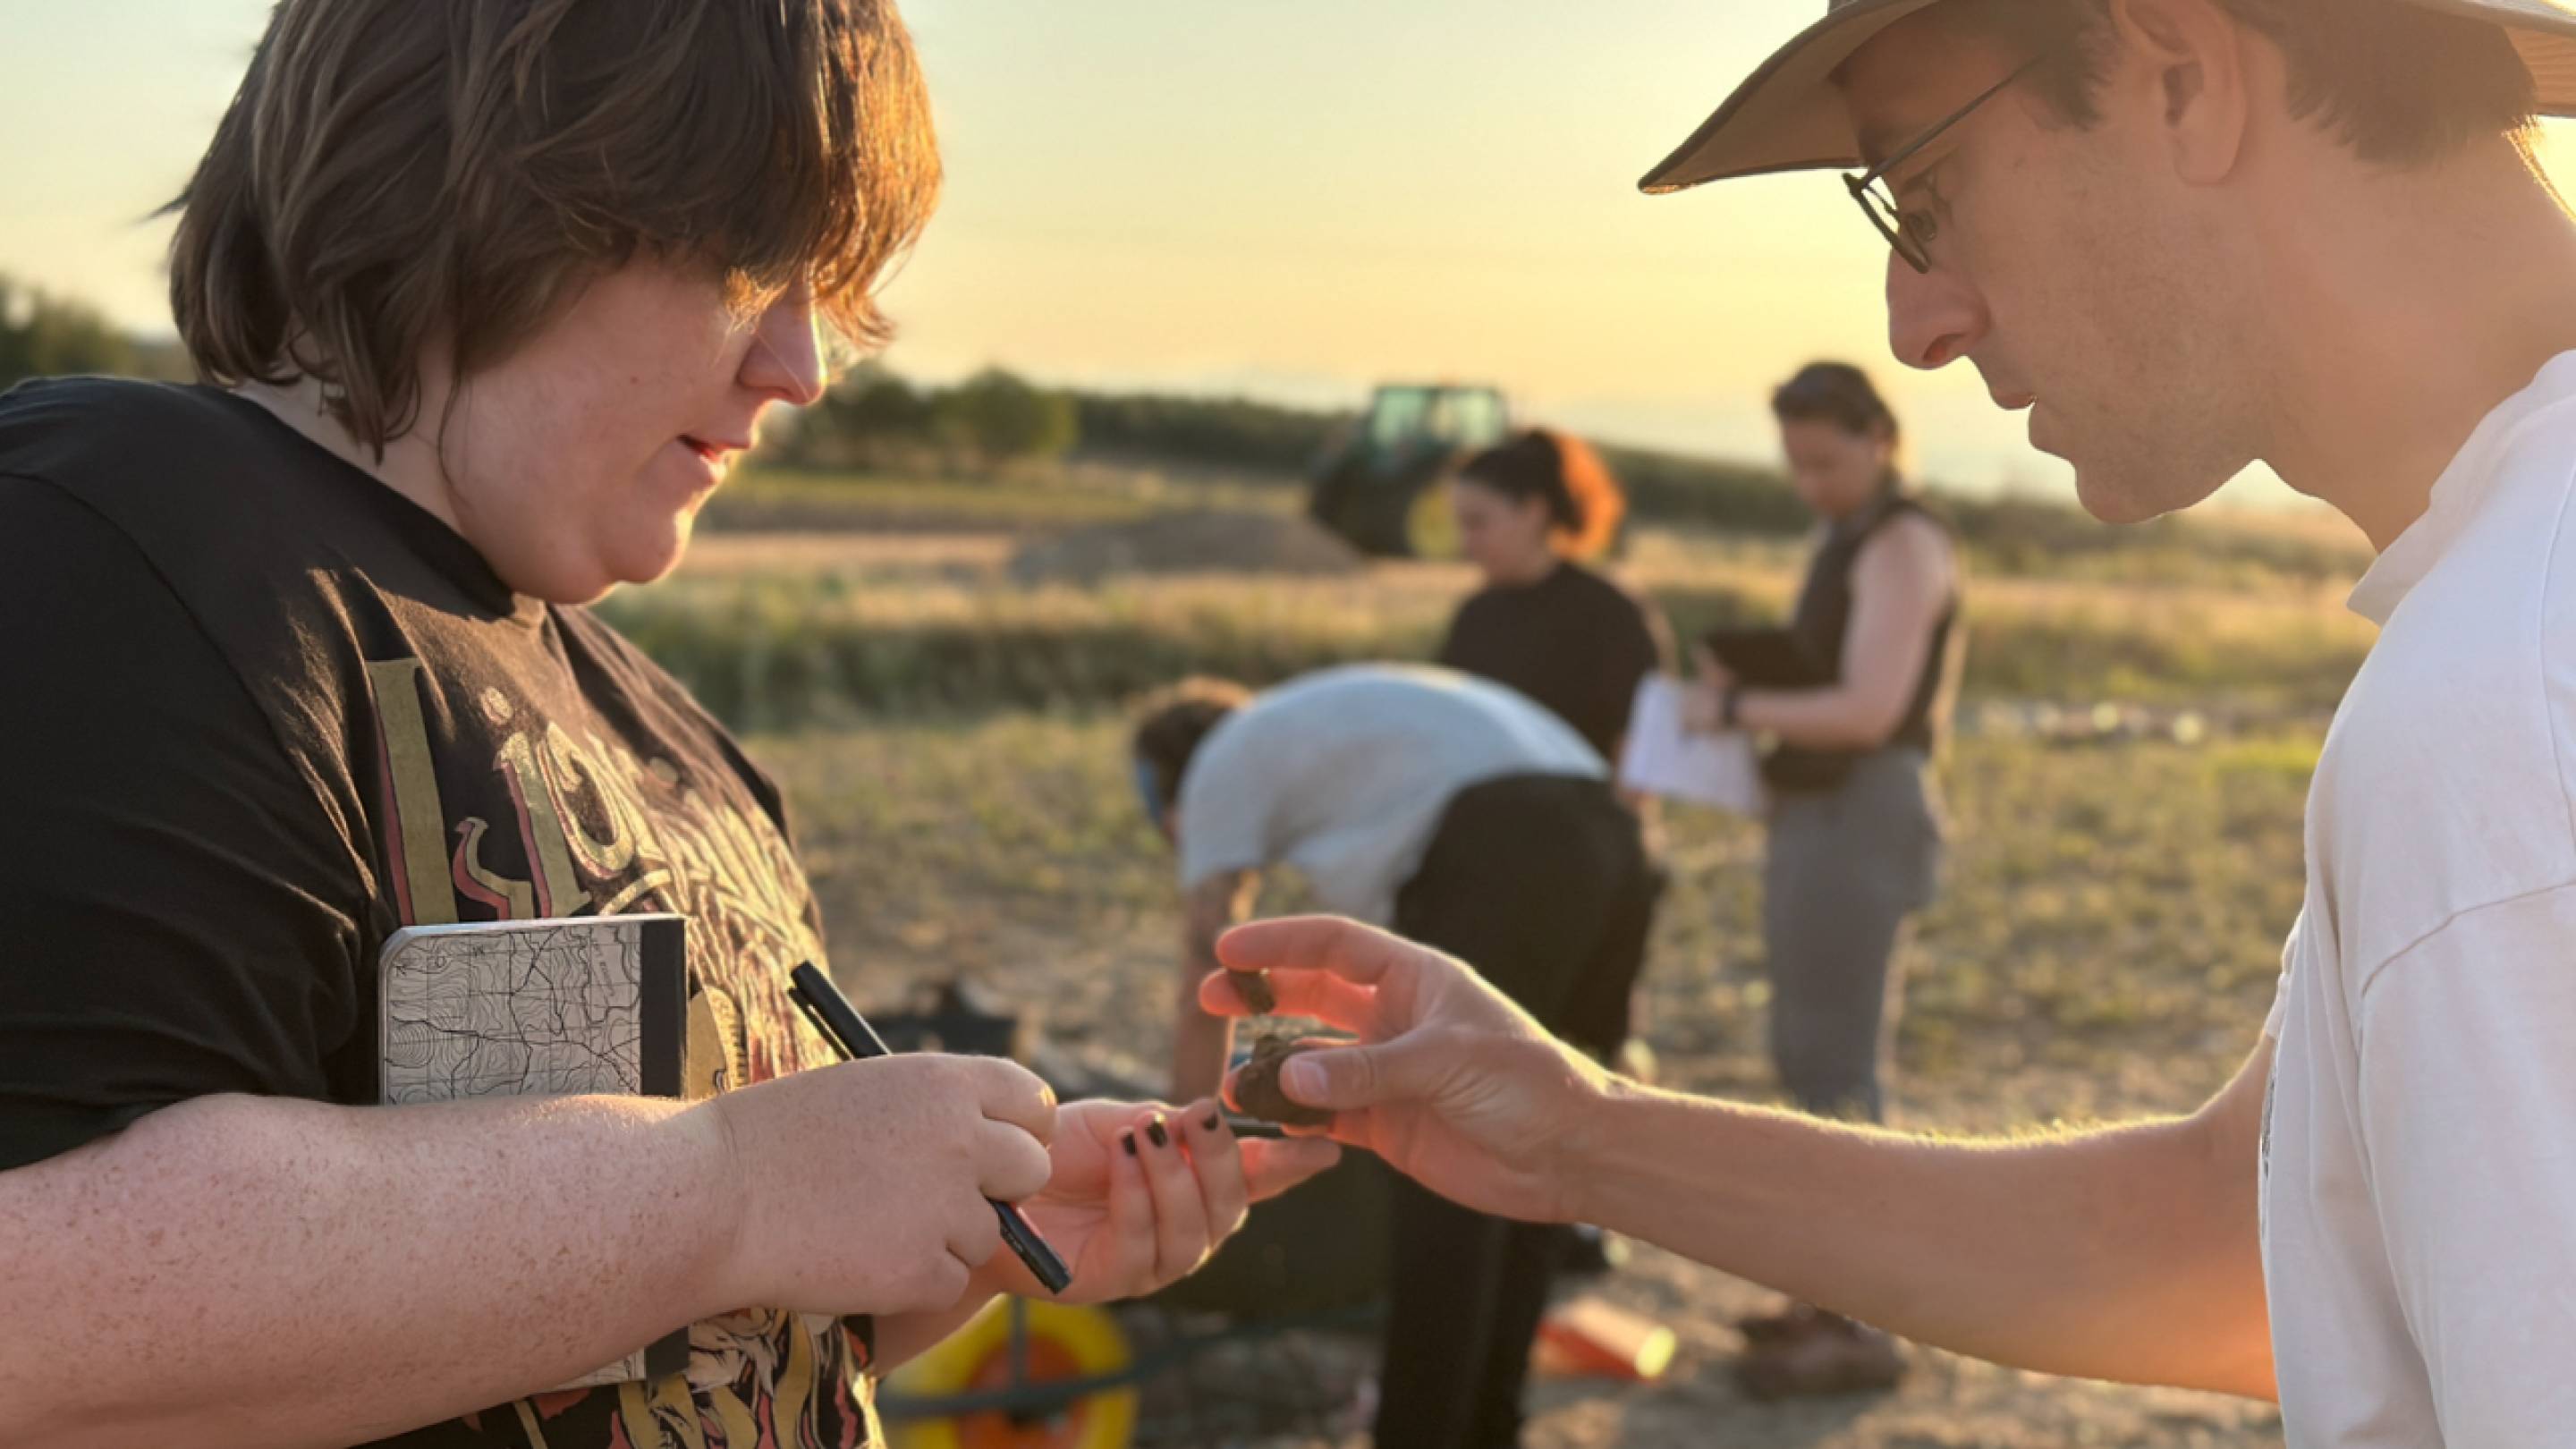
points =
(2419, 1147)
(1345, 773)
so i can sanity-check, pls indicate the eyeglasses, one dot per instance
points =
(1911, 239)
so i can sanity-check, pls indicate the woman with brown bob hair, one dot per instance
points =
(488, 295)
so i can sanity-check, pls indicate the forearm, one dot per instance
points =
(475, 1252)
(2128, 1253)
(1840, 717)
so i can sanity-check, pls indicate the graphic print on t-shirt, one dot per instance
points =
(592, 828)
(602, 832)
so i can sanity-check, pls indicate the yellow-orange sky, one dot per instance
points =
(1245, 195)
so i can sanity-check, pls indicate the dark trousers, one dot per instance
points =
(1541, 883)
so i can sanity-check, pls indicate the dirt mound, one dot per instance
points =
(1178, 543)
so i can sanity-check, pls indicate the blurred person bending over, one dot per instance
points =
(1464, 815)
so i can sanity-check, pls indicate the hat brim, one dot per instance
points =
(1788, 116)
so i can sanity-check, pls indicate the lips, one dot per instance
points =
(713, 450)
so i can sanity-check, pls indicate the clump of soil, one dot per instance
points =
(1254, 988)
(1257, 1092)
(1177, 543)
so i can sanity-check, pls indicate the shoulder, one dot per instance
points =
(1480, 608)
(1911, 544)
(67, 429)
(1598, 588)
(52, 541)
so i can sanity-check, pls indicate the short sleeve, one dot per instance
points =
(2281, 990)
(176, 904)
(2466, 1057)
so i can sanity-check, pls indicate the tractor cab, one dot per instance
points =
(1379, 488)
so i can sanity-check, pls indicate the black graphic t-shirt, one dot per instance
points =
(264, 711)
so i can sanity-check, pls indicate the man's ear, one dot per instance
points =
(2188, 61)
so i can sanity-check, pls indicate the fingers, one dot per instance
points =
(1324, 943)
(1354, 1078)
(1319, 994)
(1180, 1215)
(1009, 1163)
(1271, 1168)
(974, 1236)
(1009, 1092)
(1219, 1165)
(1130, 1231)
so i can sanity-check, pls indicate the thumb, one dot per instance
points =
(1349, 1079)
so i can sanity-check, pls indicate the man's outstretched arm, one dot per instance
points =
(2123, 1253)
(2127, 1253)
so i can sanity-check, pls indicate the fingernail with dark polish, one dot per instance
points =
(1154, 1129)
(1130, 1140)
(1214, 1120)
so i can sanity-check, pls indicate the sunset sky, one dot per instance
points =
(1284, 200)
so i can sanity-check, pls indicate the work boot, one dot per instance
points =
(1807, 1351)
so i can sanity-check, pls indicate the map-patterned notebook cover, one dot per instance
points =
(543, 1008)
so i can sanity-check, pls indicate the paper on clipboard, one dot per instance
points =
(1666, 760)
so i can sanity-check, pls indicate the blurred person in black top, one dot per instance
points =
(302, 657)
(1529, 510)
(1854, 718)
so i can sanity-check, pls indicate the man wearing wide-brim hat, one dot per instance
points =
(2184, 235)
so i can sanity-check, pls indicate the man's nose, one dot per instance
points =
(1933, 319)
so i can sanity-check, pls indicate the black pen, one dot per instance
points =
(842, 1026)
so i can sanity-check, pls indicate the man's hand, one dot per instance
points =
(862, 1186)
(1143, 1193)
(1451, 1083)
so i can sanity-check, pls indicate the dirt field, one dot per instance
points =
(2105, 949)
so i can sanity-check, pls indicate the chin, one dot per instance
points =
(647, 559)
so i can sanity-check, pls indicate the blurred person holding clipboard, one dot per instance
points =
(1852, 698)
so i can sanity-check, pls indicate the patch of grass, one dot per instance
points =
(2106, 941)
(783, 499)
(813, 640)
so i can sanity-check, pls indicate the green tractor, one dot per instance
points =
(1380, 486)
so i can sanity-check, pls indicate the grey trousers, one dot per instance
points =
(1848, 867)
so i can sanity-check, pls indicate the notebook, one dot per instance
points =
(536, 1009)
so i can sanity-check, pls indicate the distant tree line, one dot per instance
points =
(995, 420)
(873, 418)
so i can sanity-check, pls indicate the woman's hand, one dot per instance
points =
(1142, 1193)
(1704, 699)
